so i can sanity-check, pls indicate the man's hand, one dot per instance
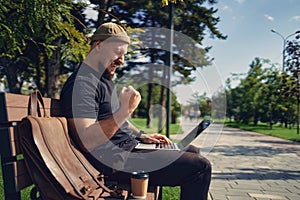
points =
(155, 138)
(129, 99)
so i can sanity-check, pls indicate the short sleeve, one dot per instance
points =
(84, 98)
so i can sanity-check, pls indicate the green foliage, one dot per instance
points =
(175, 109)
(199, 102)
(292, 76)
(187, 14)
(262, 96)
(187, 56)
(143, 109)
(31, 33)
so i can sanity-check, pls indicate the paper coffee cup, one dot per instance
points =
(139, 185)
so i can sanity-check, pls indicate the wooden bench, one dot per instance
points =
(13, 107)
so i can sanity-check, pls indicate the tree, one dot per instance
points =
(267, 99)
(293, 70)
(255, 99)
(248, 92)
(54, 36)
(263, 95)
(147, 14)
(229, 99)
(104, 7)
(35, 51)
(200, 104)
(142, 14)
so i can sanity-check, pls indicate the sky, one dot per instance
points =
(247, 24)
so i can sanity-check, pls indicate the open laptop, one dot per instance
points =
(182, 144)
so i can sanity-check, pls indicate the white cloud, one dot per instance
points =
(240, 1)
(227, 8)
(268, 17)
(295, 18)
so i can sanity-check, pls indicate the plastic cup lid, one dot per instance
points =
(140, 175)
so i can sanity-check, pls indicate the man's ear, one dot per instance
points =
(96, 44)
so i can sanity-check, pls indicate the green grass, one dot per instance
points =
(171, 193)
(277, 130)
(140, 123)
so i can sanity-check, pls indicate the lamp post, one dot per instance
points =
(169, 71)
(284, 44)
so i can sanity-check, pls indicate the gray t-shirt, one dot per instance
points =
(89, 94)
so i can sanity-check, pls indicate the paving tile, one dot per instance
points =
(248, 165)
(267, 196)
(231, 197)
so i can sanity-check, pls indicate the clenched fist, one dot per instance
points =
(129, 99)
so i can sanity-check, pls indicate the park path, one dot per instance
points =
(249, 166)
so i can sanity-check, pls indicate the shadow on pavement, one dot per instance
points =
(258, 174)
(240, 150)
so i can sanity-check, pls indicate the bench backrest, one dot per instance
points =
(13, 107)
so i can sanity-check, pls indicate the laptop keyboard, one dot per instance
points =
(165, 146)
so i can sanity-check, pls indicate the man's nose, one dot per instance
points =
(120, 60)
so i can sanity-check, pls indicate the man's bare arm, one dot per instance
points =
(92, 134)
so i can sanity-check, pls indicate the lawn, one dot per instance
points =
(277, 130)
(140, 123)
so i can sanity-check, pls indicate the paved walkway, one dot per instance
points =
(248, 165)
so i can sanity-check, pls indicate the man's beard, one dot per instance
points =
(108, 75)
(105, 73)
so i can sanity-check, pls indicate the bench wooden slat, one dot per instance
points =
(17, 105)
(11, 148)
(21, 176)
(14, 172)
(16, 114)
(15, 142)
(23, 180)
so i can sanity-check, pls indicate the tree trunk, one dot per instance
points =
(173, 117)
(163, 95)
(53, 71)
(104, 5)
(149, 103)
(162, 115)
(38, 78)
(10, 69)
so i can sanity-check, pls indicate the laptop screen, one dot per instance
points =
(195, 132)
